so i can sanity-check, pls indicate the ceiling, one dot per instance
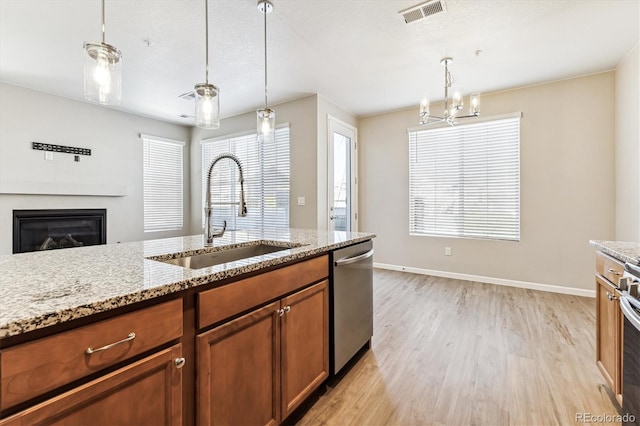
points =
(359, 54)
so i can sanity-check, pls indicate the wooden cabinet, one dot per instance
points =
(81, 376)
(304, 344)
(145, 392)
(609, 322)
(258, 368)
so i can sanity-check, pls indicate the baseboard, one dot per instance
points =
(490, 280)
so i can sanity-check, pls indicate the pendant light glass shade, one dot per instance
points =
(266, 123)
(102, 71)
(265, 117)
(207, 95)
(207, 106)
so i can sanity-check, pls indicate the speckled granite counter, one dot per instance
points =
(623, 251)
(46, 288)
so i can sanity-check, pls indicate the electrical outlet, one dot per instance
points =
(447, 251)
(48, 155)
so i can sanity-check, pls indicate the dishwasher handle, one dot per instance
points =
(628, 312)
(354, 259)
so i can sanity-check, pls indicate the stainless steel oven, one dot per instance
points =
(630, 306)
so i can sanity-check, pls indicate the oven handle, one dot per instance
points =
(629, 312)
(354, 259)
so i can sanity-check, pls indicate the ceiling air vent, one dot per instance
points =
(423, 10)
(189, 96)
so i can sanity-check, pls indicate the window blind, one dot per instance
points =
(266, 168)
(464, 180)
(163, 184)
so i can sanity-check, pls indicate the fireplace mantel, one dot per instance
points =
(52, 188)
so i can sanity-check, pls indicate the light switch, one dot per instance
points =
(301, 201)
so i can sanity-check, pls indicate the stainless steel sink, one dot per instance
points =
(219, 257)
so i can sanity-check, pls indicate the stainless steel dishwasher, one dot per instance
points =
(351, 302)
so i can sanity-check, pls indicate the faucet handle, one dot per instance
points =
(221, 233)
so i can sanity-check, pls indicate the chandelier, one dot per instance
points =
(453, 102)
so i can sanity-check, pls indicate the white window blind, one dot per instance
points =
(266, 168)
(464, 180)
(163, 184)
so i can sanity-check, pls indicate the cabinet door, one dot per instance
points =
(238, 370)
(305, 344)
(145, 392)
(608, 333)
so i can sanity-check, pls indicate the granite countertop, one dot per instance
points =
(623, 251)
(41, 289)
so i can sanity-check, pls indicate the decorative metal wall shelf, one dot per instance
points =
(60, 148)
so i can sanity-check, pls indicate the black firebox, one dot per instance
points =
(35, 230)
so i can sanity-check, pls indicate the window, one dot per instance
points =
(464, 181)
(162, 183)
(266, 180)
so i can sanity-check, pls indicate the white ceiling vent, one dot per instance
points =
(189, 96)
(423, 10)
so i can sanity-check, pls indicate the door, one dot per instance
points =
(238, 370)
(342, 177)
(305, 344)
(145, 392)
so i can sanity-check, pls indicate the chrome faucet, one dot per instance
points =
(209, 235)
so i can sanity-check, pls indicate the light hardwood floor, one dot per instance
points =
(455, 352)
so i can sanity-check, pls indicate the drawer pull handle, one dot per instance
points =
(611, 296)
(287, 309)
(180, 362)
(280, 312)
(129, 338)
(613, 271)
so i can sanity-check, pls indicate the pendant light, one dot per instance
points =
(207, 95)
(102, 71)
(266, 117)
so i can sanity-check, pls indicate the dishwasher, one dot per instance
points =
(351, 302)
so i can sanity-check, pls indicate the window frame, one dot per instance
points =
(265, 183)
(175, 222)
(460, 183)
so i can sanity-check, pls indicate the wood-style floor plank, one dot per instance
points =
(451, 352)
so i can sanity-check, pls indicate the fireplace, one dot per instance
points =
(35, 230)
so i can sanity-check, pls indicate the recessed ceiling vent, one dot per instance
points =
(423, 10)
(189, 96)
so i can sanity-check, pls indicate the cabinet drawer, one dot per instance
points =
(609, 267)
(223, 302)
(33, 368)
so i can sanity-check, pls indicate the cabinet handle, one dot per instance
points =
(613, 271)
(611, 296)
(180, 362)
(129, 338)
(280, 312)
(287, 309)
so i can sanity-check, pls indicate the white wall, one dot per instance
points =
(627, 130)
(301, 116)
(567, 187)
(115, 161)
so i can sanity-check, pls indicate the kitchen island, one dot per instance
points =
(185, 331)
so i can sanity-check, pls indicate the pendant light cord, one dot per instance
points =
(103, 22)
(265, 55)
(206, 37)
